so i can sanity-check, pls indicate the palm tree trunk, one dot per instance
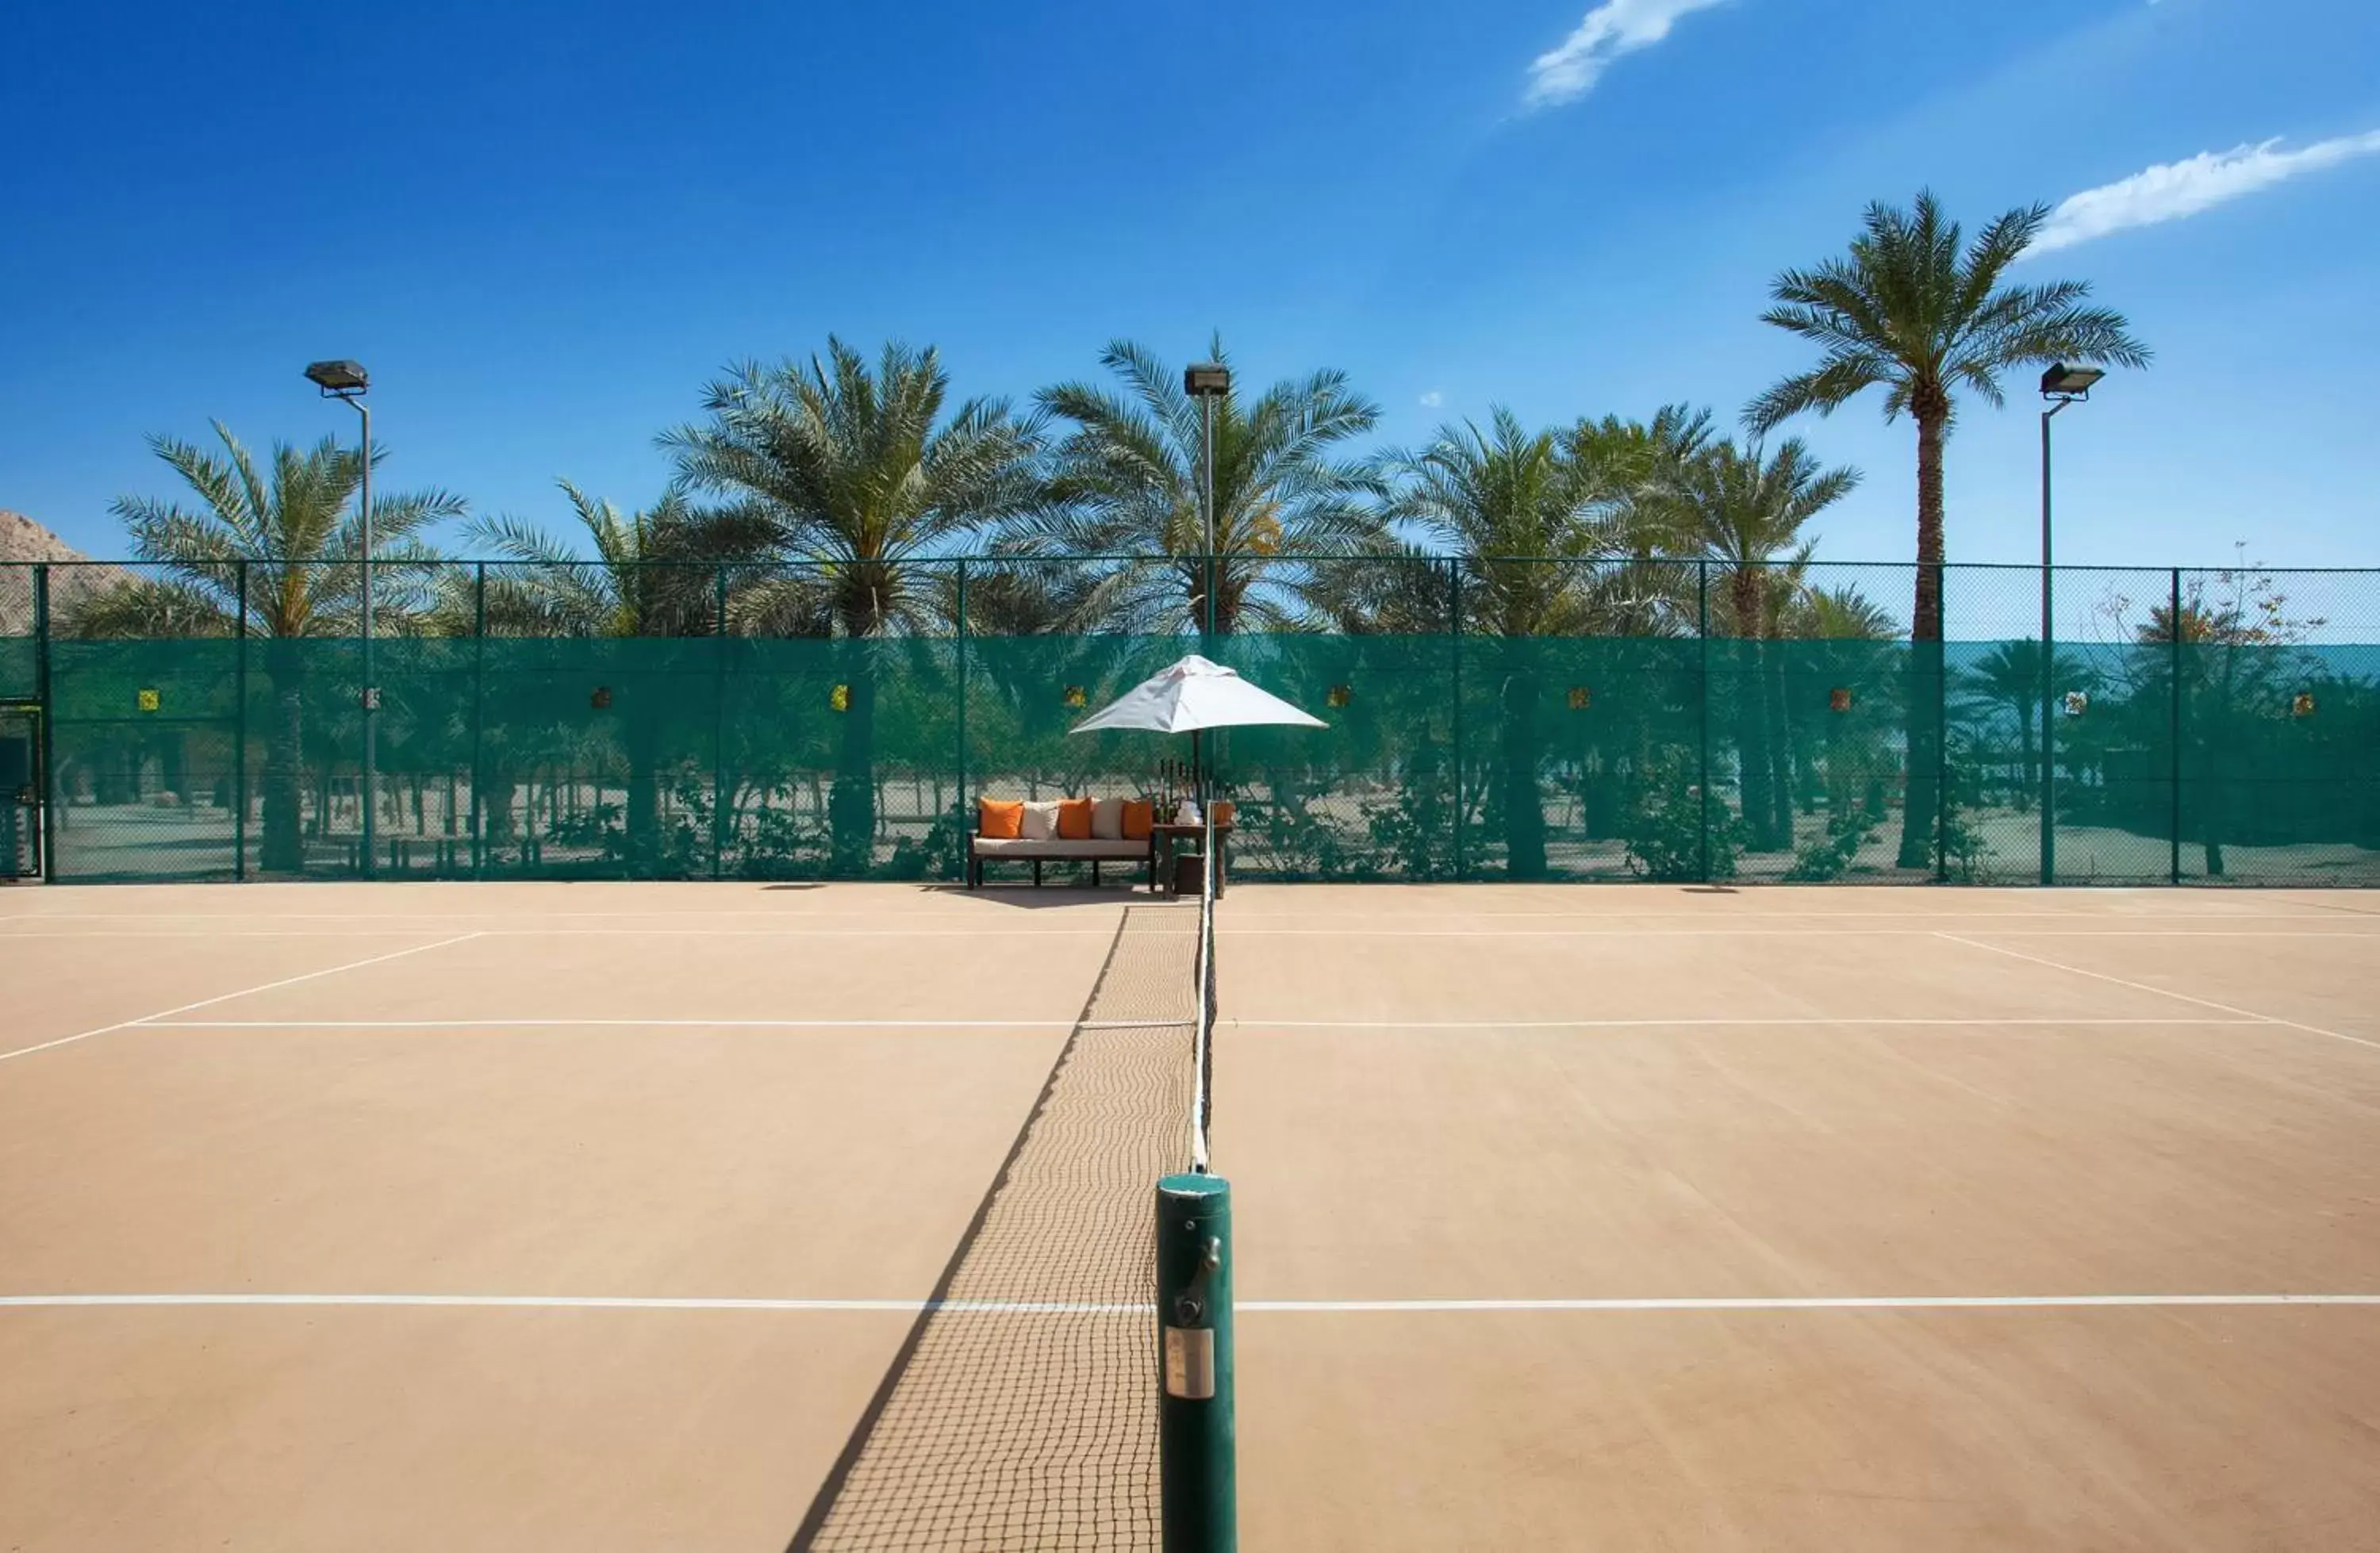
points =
(643, 818)
(283, 848)
(2025, 714)
(1920, 810)
(851, 807)
(1755, 766)
(1780, 742)
(1524, 812)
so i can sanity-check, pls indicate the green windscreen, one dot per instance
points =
(1687, 751)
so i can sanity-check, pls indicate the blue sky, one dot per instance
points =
(543, 227)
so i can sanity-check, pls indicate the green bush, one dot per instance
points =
(1665, 832)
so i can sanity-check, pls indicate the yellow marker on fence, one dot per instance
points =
(146, 701)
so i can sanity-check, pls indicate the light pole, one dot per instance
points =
(1207, 381)
(2061, 385)
(347, 382)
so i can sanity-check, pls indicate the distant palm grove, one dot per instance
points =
(1604, 649)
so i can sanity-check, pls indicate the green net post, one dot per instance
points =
(1199, 1495)
(1702, 754)
(2173, 719)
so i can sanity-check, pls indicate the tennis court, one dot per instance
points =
(498, 1215)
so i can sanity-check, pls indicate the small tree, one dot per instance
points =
(281, 543)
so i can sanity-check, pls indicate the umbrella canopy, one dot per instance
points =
(1193, 694)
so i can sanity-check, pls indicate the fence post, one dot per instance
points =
(1454, 624)
(1703, 763)
(2048, 804)
(2173, 631)
(963, 712)
(718, 725)
(239, 735)
(478, 718)
(1941, 726)
(46, 733)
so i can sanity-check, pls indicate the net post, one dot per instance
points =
(2173, 631)
(1198, 1493)
(239, 728)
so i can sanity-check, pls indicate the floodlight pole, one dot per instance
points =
(2061, 385)
(347, 383)
(2049, 656)
(1207, 381)
(1207, 437)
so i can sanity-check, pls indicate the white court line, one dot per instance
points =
(1285, 1307)
(1254, 1023)
(2358, 937)
(2162, 991)
(227, 997)
(97, 935)
(162, 1022)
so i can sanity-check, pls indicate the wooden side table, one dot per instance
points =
(1167, 838)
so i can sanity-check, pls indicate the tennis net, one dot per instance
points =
(1021, 1411)
(1202, 1057)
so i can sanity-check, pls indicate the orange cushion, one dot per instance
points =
(1073, 819)
(1221, 810)
(999, 821)
(1139, 815)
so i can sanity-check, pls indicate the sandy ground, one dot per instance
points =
(499, 1216)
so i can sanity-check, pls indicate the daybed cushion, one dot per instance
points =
(988, 846)
(1073, 819)
(1139, 816)
(998, 819)
(1107, 819)
(1041, 820)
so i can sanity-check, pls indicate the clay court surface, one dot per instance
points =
(502, 1216)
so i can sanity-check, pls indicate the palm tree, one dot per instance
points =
(1746, 510)
(1525, 523)
(276, 547)
(655, 573)
(855, 475)
(1858, 633)
(2009, 678)
(1129, 478)
(1914, 312)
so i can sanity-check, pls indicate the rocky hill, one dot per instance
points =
(22, 539)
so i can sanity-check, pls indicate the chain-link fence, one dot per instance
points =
(1490, 718)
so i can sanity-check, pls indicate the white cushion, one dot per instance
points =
(997, 846)
(1107, 819)
(1040, 821)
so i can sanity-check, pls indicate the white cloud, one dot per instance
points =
(1432, 399)
(2174, 189)
(1569, 72)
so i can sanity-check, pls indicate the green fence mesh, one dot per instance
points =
(2200, 727)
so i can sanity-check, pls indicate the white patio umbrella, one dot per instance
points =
(1195, 694)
